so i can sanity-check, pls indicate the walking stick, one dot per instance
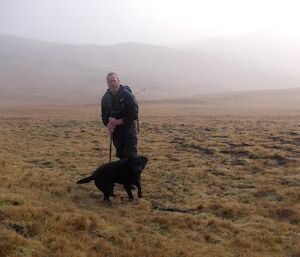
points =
(110, 146)
(142, 90)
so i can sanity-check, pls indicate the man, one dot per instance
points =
(119, 112)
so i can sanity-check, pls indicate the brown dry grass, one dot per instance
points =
(216, 185)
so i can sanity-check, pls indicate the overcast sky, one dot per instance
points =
(163, 22)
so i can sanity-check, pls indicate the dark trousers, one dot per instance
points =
(125, 141)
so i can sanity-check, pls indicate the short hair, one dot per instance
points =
(110, 74)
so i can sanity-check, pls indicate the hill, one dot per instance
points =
(262, 102)
(33, 71)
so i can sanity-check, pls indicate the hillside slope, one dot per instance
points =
(43, 72)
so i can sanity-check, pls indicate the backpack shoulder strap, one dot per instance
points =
(127, 88)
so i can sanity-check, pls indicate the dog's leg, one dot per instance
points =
(112, 190)
(106, 196)
(106, 191)
(103, 189)
(128, 190)
(139, 187)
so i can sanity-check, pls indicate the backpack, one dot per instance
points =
(137, 120)
(127, 88)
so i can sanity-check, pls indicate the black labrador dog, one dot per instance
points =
(126, 172)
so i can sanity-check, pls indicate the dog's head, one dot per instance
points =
(137, 163)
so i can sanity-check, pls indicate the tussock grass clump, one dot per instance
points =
(14, 245)
(285, 213)
(101, 246)
(268, 193)
(230, 211)
(295, 251)
(168, 222)
(76, 223)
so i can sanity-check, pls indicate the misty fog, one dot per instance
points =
(61, 51)
(51, 70)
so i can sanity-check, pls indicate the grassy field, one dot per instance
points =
(218, 183)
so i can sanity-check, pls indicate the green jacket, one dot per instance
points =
(123, 106)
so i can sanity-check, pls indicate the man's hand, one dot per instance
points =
(112, 123)
(110, 127)
(115, 122)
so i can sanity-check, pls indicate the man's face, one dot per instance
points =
(113, 83)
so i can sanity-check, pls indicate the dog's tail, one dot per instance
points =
(85, 180)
